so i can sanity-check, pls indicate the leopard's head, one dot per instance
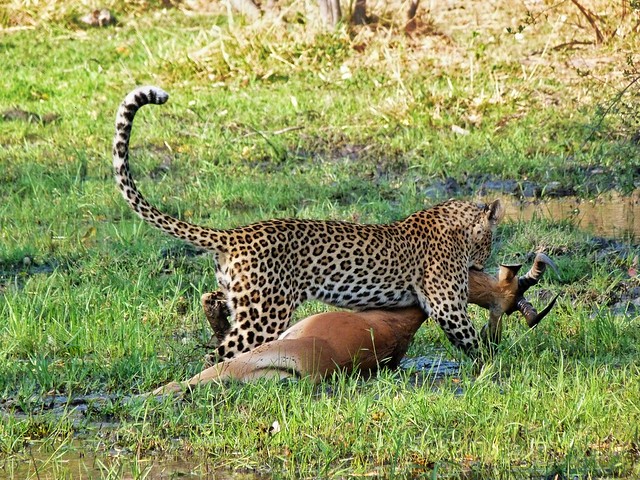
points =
(482, 233)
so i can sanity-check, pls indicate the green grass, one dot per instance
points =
(356, 124)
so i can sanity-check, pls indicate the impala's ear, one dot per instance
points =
(508, 272)
(495, 211)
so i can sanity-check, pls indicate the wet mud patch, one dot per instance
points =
(434, 366)
(58, 404)
(14, 273)
(595, 181)
(619, 259)
(20, 115)
(376, 162)
(625, 298)
(181, 250)
(159, 152)
(424, 370)
(620, 298)
(369, 154)
(372, 156)
(94, 446)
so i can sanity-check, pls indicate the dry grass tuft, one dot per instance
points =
(500, 50)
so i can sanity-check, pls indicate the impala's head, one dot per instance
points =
(512, 297)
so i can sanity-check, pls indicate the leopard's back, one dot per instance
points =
(341, 263)
(348, 264)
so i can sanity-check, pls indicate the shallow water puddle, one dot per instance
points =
(77, 460)
(433, 372)
(608, 215)
(436, 367)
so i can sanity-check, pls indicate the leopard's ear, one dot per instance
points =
(495, 212)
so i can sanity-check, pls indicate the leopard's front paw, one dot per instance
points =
(210, 359)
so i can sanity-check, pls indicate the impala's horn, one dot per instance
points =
(529, 312)
(533, 276)
(529, 279)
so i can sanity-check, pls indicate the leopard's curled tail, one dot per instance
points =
(208, 238)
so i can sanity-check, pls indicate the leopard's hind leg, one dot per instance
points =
(255, 323)
(217, 313)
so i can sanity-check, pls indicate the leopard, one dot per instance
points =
(269, 268)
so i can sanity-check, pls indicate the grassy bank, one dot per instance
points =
(276, 120)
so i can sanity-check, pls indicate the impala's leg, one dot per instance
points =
(494, 334)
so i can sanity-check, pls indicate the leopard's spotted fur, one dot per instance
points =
(269, 268)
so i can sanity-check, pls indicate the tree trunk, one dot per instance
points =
(330, 12)
(359, 13)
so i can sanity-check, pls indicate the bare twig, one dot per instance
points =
(590, 16)
(35, 465)
(570, 45)
(275, 132)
